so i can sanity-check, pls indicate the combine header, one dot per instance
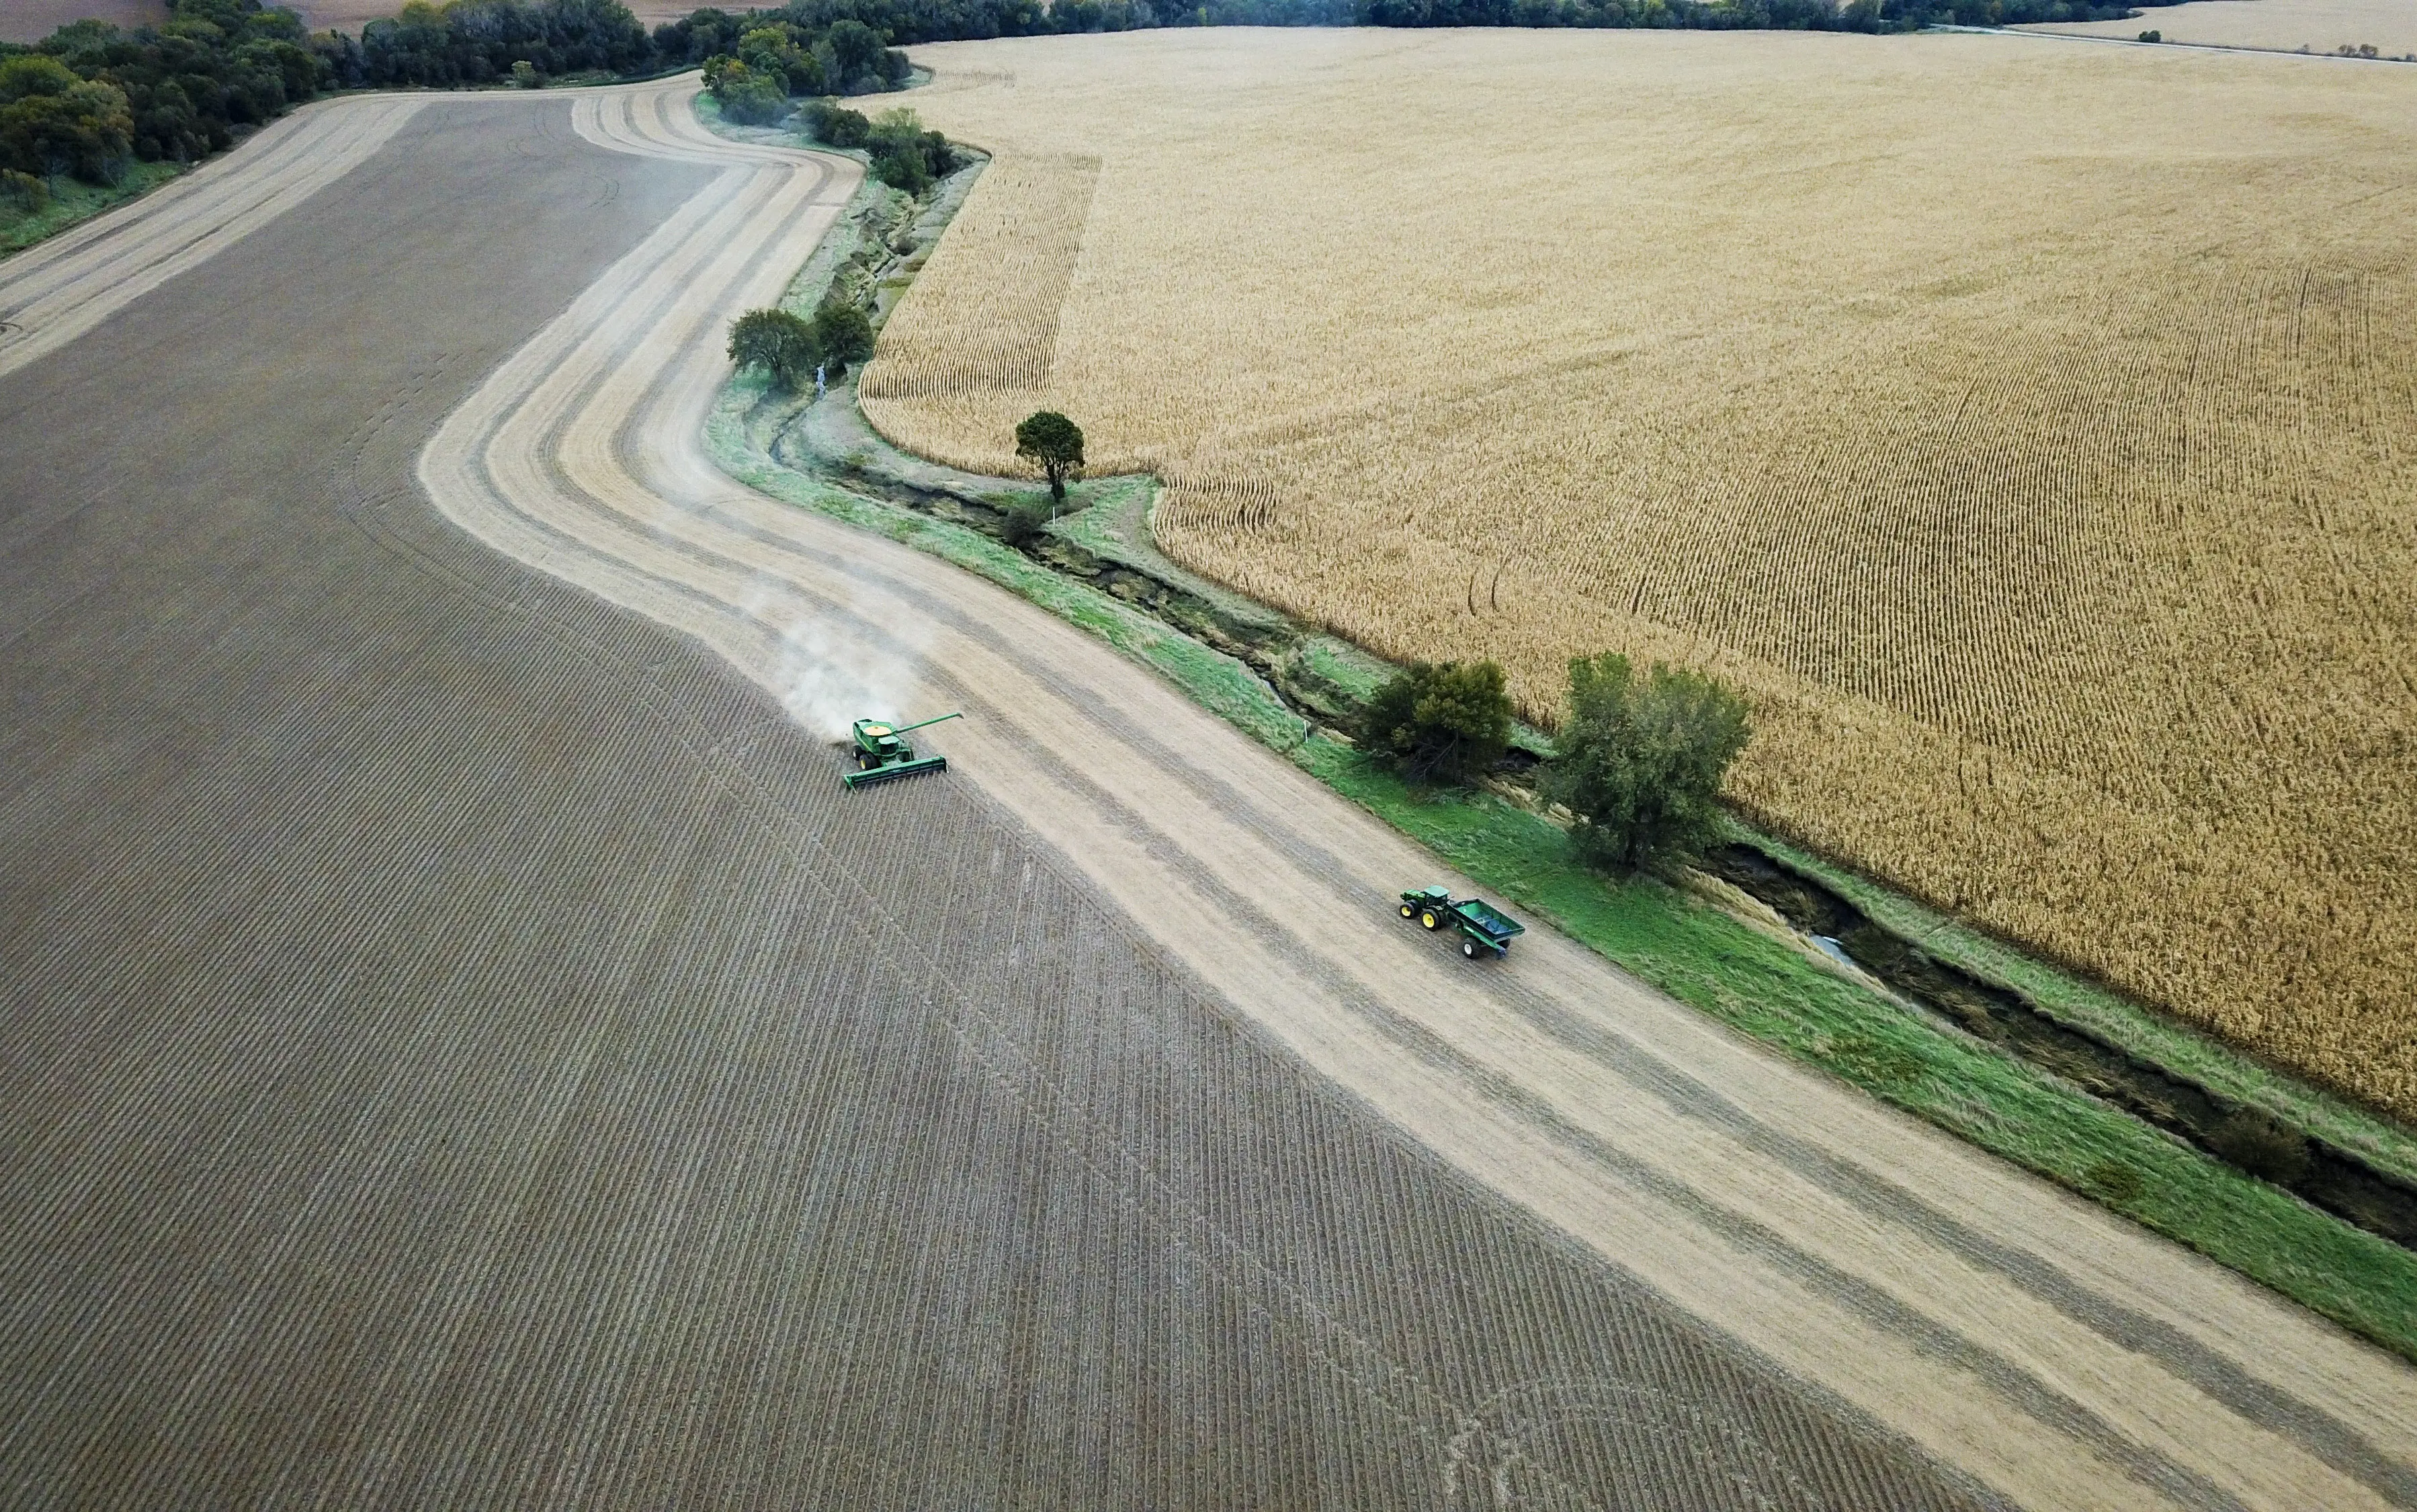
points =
(883, 753)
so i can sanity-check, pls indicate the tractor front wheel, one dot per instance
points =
(1408, 911)
(1428, 921)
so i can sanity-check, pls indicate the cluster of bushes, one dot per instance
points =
(90, 97)
(905, 156)
(483, 42)
(778, 60)
(1637, 765)
(789, 348)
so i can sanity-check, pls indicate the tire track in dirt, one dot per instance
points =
(2038, 1344)
(464, 1048)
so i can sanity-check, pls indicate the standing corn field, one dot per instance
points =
(2025, 427)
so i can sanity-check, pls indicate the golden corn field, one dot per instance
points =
(2030, 427)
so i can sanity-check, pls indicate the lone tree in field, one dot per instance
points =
(1641, 761)
(779, 342)
(1054, 444)
(1448, 723)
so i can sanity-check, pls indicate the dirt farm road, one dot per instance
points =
(463, 1047)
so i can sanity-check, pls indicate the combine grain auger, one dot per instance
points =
(883, 752)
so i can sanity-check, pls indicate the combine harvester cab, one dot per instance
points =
(1485, 931)
(883, 753)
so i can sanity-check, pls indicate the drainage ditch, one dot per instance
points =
(2244, 1137)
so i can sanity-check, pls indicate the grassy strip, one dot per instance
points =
(1704, 959)
(73, 201)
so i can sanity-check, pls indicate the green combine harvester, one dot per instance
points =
(883, 753)
(1485, 931)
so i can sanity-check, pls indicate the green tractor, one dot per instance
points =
(883, 752)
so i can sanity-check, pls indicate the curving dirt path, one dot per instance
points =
(2049, 1350)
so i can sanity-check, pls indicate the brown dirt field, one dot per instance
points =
(465, 1049)
(2054, 1354)
(30, 21)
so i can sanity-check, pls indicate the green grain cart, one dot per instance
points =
(883, 752)
(1485, 931)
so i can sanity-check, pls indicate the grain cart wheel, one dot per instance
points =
(1408, 912)
(1469, 948)
(1429, 920)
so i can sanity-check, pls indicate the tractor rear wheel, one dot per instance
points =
(1428, 920)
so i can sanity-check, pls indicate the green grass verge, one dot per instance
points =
(72, 201)
(1706, 960)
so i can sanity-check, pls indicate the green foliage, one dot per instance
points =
(905, 156)
(836, 124)
(779, 342)
(787, 55)
(53, 122)
(863, 62)
(1054, 444)
(1448, 723)
(22, 194)
(747, 97)
(1641, 760)
(844, 332)
(1021, 519)
(2115, 1183)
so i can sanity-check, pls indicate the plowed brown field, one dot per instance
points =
(2025, 425)
(463, 1049)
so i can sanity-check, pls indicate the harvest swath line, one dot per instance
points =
(2032, 1341)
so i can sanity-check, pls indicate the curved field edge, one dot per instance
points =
(1754, 984)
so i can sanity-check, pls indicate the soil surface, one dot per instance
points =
(464, 1049)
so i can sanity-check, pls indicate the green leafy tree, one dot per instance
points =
(745, 96)
(1054, 444)
(53, 122)
(1641, 760)
(22, 194)
(779, 342)
(1448, 723)
(905, 156)
(863, 63)
(836, 124)
(844, 332)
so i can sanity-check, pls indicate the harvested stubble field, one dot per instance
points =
(463, 1049)
(2025, 427)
